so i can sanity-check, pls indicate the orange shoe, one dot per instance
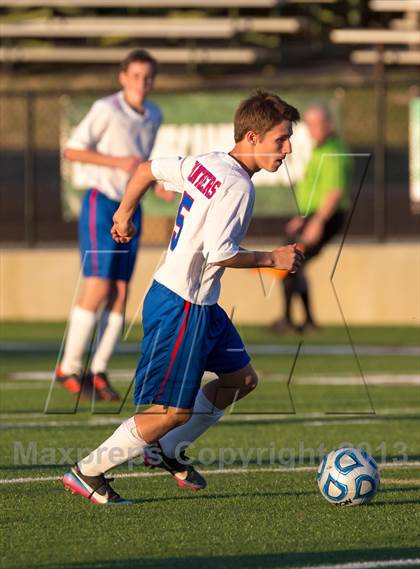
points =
(72, 382)
(76, 383)
(102, 386)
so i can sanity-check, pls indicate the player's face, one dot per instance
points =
(271, 149)
(137, 81)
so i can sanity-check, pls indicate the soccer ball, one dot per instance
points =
(348, 477)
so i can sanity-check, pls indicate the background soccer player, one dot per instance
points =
(115, 136)
(322, 198)
(185, 331)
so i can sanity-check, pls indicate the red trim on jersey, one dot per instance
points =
(187, 307)
(92, 229)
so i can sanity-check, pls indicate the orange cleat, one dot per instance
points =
(102, 386)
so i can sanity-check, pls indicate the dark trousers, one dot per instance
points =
(297, 284)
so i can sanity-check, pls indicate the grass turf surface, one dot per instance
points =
(256, 518)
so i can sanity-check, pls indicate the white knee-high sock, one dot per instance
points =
(109, 331)
(124, 443)
(205, 414)
(80, 331)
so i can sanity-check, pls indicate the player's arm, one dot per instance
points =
(83, 142)
(88, 156)
(226, 225)
(123, 228)
(313, 231)
(288, 258)
(333, 182)
(163, 194)
(330, 205)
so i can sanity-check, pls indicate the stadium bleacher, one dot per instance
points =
(140, 27)
(241, 56)
(155, 4)
(47, 32)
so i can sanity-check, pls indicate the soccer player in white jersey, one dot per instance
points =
(115, 136)
(185, 331)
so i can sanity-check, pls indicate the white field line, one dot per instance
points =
(412, 562)
(117, 421)
(219, 471)
(372, 379)
(254, 349)
(122, 375)
(34, 386)
(307, 419)
(402, 482)
(323, 422)
(117, 375)
(65, 424)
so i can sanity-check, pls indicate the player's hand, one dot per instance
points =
(288, 258)
(313, 231)
(162, 194)
(294, 225)
(123, 230)
(130, 163)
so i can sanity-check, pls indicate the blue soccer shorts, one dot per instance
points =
(101, 256)
(181, 341)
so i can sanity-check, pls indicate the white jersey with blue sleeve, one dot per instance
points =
(213, 217)
(113, 127)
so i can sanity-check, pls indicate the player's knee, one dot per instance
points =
(118, 296)
(251, 381)
(177, 419)
(121, 294)
(103, 291)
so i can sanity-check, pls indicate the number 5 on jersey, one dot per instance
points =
(186, 204)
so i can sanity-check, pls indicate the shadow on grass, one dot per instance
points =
(269, 561)
(295, 494)
(394, 503)
(225, 496)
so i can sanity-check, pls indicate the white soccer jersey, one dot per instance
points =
(213, 218)
(112, 127)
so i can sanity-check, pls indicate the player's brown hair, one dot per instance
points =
(261, 112)
(138, 55)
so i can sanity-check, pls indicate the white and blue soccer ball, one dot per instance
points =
(348, 477)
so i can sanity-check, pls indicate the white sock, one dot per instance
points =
(205, 414)
(109, 331)
(124, 443)
(80, 331)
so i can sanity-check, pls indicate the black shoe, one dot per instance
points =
(97, 489)
(103, 388)
(310, 328)
(181, 470)
(283, 326)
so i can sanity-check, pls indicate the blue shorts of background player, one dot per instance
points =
(181, 341)
(101, 256)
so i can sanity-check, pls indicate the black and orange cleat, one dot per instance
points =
(102, 387)
(72, 381)
(76, 384)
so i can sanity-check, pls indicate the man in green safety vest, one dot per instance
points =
(322, 198)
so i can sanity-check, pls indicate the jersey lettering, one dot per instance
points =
(203, 180)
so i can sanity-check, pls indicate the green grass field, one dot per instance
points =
(262, 507)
